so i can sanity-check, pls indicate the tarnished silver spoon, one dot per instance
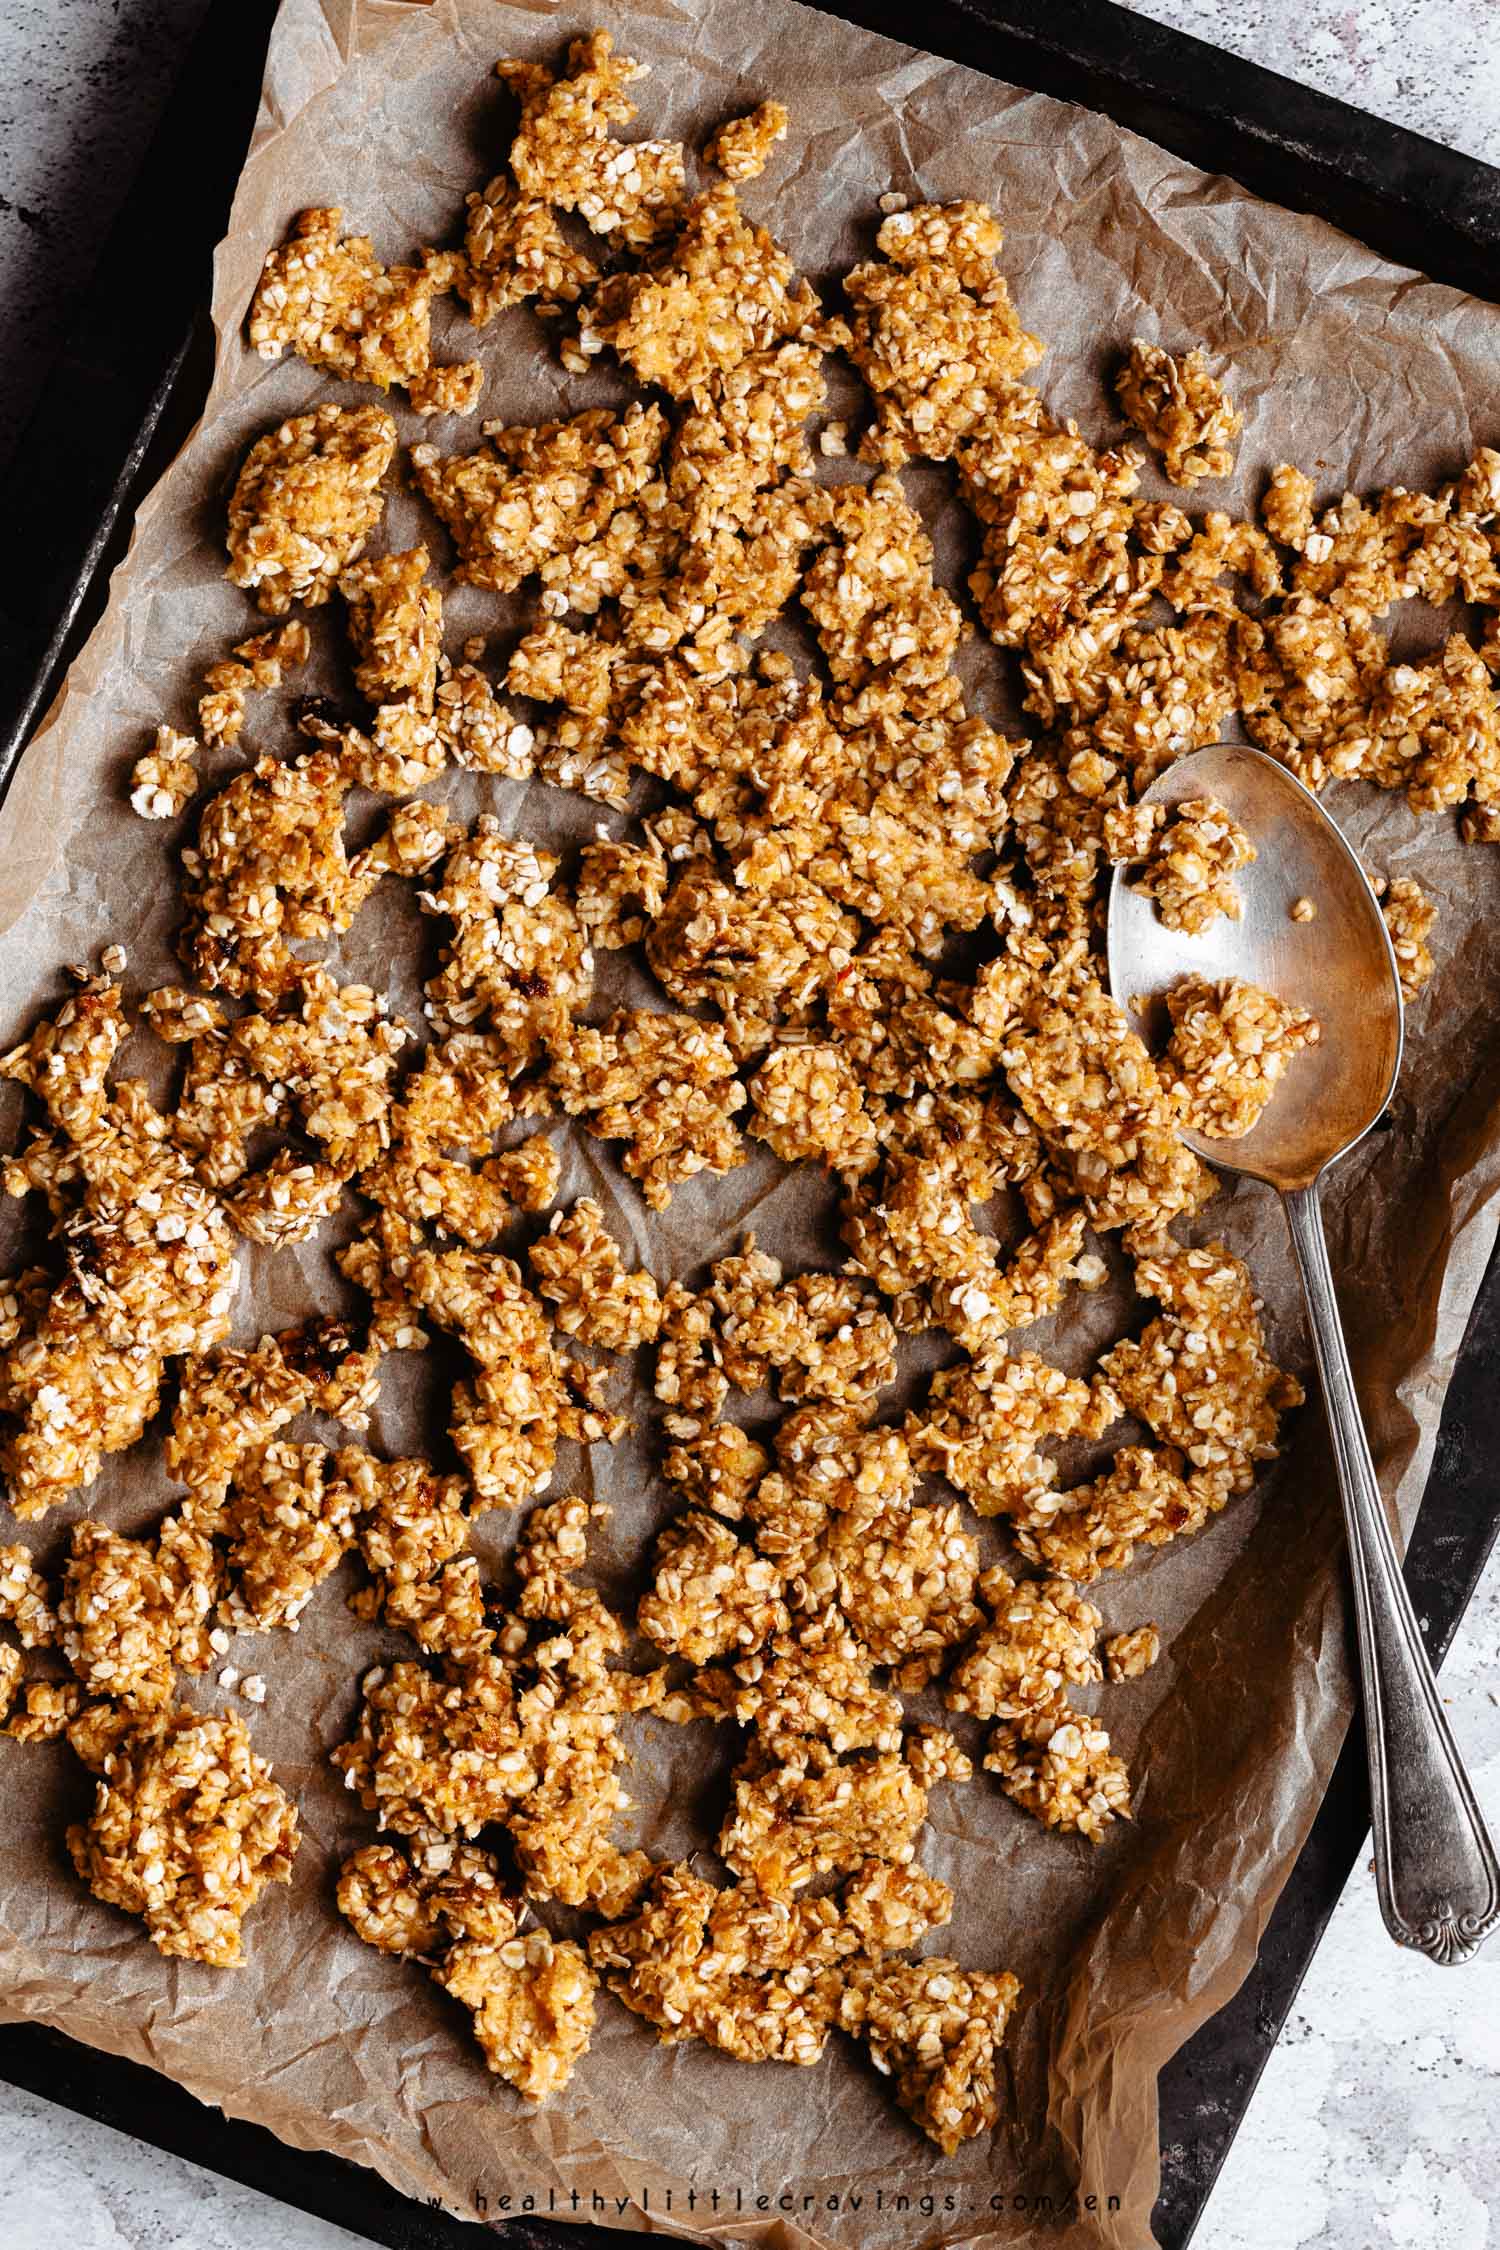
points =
(1435, 1865)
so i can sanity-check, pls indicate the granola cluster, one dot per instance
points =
(872, 928)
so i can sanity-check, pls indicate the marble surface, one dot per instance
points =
(1374, 2124)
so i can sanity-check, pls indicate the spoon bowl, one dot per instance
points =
(1339, 966)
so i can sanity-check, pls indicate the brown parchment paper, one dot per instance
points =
(1364, 373)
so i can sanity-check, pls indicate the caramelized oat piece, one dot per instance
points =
(332, 1049)
(808, 1812)
(935, 2027)
(395, 629)
(1146, 1496)
(721, 288)
(532, 1999)
(163, 781)
(1037, 1636)
(1231, 1043)
(1181, 412)
(47, 1710)
(515, 249)
(1305, 677)
(1409, 916)
(259, 664)
(1128, 1656)
(10, 1680)
(1199, 1376)
(150, 1274)
(935, 335)
(758, 1978)
(1094, 1094)
(404, 1906)
(529, 494)
(1058, 1765)
(905, 1577)
(1431, 729)
(269, 867)
(711, 1595)
(1063, 573)
(518, 958)
(231, 1403)
(24, 1601)
(814, 1682)
(305, 501)
(742, 146)
(504, 1420)
(664, 1084)
(564, 153)
(188, 1827)
(579, 1269)
(438, 1752)
(124, 1614)
(326, 296)
(288, 1525)
(286, 1201)
(718, 1467)
(984, 1425)
(808, 1102)
(1190, 866)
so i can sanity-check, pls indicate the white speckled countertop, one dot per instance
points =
(1375, 2124)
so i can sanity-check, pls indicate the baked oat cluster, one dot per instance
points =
(866, 939)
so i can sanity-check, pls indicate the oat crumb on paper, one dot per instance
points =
(741, 148)
(871, 922)
(1410, 917)
(1180, 410)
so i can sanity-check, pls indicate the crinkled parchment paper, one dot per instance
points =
(1361, 372)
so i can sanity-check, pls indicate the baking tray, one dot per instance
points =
(123, 395)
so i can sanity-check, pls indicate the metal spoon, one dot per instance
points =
(1435, 1865)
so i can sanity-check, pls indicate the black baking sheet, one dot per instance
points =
(119, 402)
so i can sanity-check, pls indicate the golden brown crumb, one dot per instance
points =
(1303, 910)
(1127, 1656)
(305, 501)
(326, 296)
(187, 1829)
(1180, 410)
(1409, 917)
(580, 1271)
(935, 2028)
(1231, 1042)
(742, 146)
(564, 154)
(1191, 864)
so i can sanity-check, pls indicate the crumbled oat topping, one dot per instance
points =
(580, 1272)
(326, 296)
(742, 146)
(935, 335)
(1231, 1042)
(188, 1827)
(1179, 409)
(564, 153)
(1128, 1656)
(877, 925)
(1190, 866)
(935, 2028)
(1409, 917)
(305, 501)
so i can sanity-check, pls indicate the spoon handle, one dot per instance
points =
(1435, 1866)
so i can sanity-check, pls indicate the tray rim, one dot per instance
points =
(1412, 199)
